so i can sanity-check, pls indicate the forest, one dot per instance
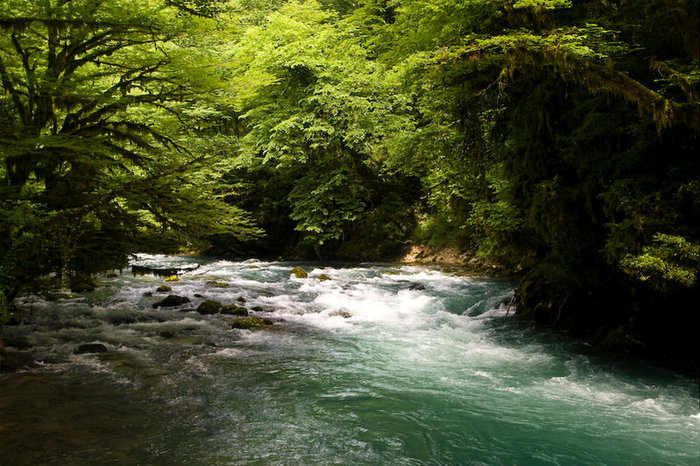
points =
(554, 140)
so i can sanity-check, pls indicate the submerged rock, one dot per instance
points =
(163, 289)
(91, 348)
(234, 310)
(217, 284)
(248, 323)
(241, 299)
(209, 307)
(416, 287)
(341, 313)
(171, 301)
(298, 272)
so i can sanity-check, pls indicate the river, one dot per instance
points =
(376, 365)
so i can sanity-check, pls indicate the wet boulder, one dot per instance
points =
(234, 310)
(298, 272)
(247, 323)
(209, 306)
(323, 277)
(216, 284)
(416, 287)
(163, 289)
(340, 313)
(171, 301)
(86, 348)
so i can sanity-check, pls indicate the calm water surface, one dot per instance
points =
(358, 369)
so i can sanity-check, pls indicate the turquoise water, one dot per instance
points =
(358, 369)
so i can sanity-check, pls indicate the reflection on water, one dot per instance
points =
(375, 365)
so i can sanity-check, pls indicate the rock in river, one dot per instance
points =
(299, 272)
(234, 310)
(171, 301)
(209, 307)
(248, 323)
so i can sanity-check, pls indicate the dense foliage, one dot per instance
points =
(99, 116)
(555, 137)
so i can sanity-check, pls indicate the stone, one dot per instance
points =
(416, 287)
(163, 289)
(299, 272)
(171, 301)
(209, 307)
(241, 299)
(198, 295)
(341, 313)
(323, 277)
(217, 284)
(166, 334)
(234, 310)
(91, 348)
(247, 323)
(257, 309)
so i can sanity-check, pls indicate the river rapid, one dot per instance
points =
(376, 365)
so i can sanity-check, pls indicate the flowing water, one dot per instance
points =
(365, 368)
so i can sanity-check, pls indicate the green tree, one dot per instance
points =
(99, 117)
(312, 99)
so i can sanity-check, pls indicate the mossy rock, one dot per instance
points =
(241, 299)
(323, 277)
(247, 323)
(234, 310)
(171, 301)
(173, 278)
(216, 284)
(163, 289)
(209, 306)
(299, 272)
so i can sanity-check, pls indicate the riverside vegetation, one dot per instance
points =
(555, 138)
